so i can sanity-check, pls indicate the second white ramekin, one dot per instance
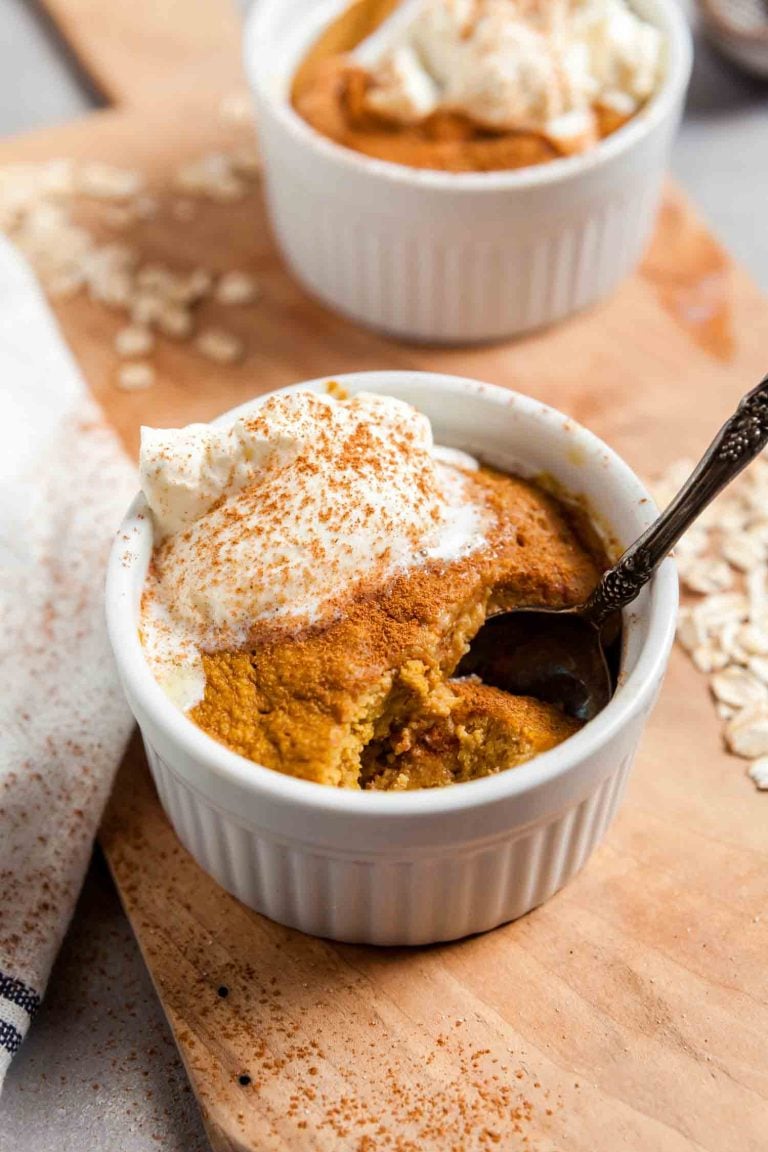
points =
(415, 867)
(448, 257)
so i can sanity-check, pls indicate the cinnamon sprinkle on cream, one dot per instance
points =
(278, 518)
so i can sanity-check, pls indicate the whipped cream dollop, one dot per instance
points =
(279, 516)
(529, 65)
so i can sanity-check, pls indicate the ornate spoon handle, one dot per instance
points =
(737, 443)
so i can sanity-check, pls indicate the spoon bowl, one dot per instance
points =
(559, 655)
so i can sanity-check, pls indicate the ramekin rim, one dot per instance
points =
(532, 176)
(631, 697)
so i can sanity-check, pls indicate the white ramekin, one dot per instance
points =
(455, 257)
(415, 867)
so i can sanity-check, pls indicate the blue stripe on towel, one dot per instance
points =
(10, 1037)
(18, 993)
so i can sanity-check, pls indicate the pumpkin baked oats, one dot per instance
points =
(320, 570)
(479, 85)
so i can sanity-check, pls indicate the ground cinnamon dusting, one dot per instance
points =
(478, 1099)
(332, 92)
(336, 496)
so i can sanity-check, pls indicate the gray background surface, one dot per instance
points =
(99, 1070)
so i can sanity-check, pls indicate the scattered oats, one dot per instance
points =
(757, 593)
(730, 514)
(146, 309)
(114, 289)
(694, 543)
(136, 376)
(689, 632)
(758, 530)
(706, 576)
(64, 285)
(710, 517)
(236, 288)
(728, 639)
(155, 278)
(50, 240)
(759, 620)
(721, 608)
(743, 552)
(194, 287)
(758, 666)
(37, 210)
(134, 341)
(747, 733)
(708, 658)
(737, 687)
(668, 485)
(753, 639)
(219, 345)
(56, 177)
(247, 162)
(723, 559)
(212, 176)
(237, 107)
(105, 182)
(758, 771)
(108, 258)
(755, 480)
(175, 322)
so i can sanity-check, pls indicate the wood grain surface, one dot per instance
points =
(628, 1013)
(138, 51)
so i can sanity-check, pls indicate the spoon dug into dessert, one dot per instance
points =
(558, 655)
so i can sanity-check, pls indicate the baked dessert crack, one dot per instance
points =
(319, 571)
(326, 705)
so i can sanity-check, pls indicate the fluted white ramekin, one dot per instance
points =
(414, 867)
(455, 257)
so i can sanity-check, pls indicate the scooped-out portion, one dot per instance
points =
(320, 568)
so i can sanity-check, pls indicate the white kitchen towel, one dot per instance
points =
(63, 721)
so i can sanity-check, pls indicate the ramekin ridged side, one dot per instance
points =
(416, 867)
(388, 901)
(450, 257)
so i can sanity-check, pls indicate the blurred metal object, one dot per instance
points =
(739, 28)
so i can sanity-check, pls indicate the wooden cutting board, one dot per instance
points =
(631, 1011)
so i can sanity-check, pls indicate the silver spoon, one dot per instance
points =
(559, 655)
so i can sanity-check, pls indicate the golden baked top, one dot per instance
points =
(310, 704)
(320, 567)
